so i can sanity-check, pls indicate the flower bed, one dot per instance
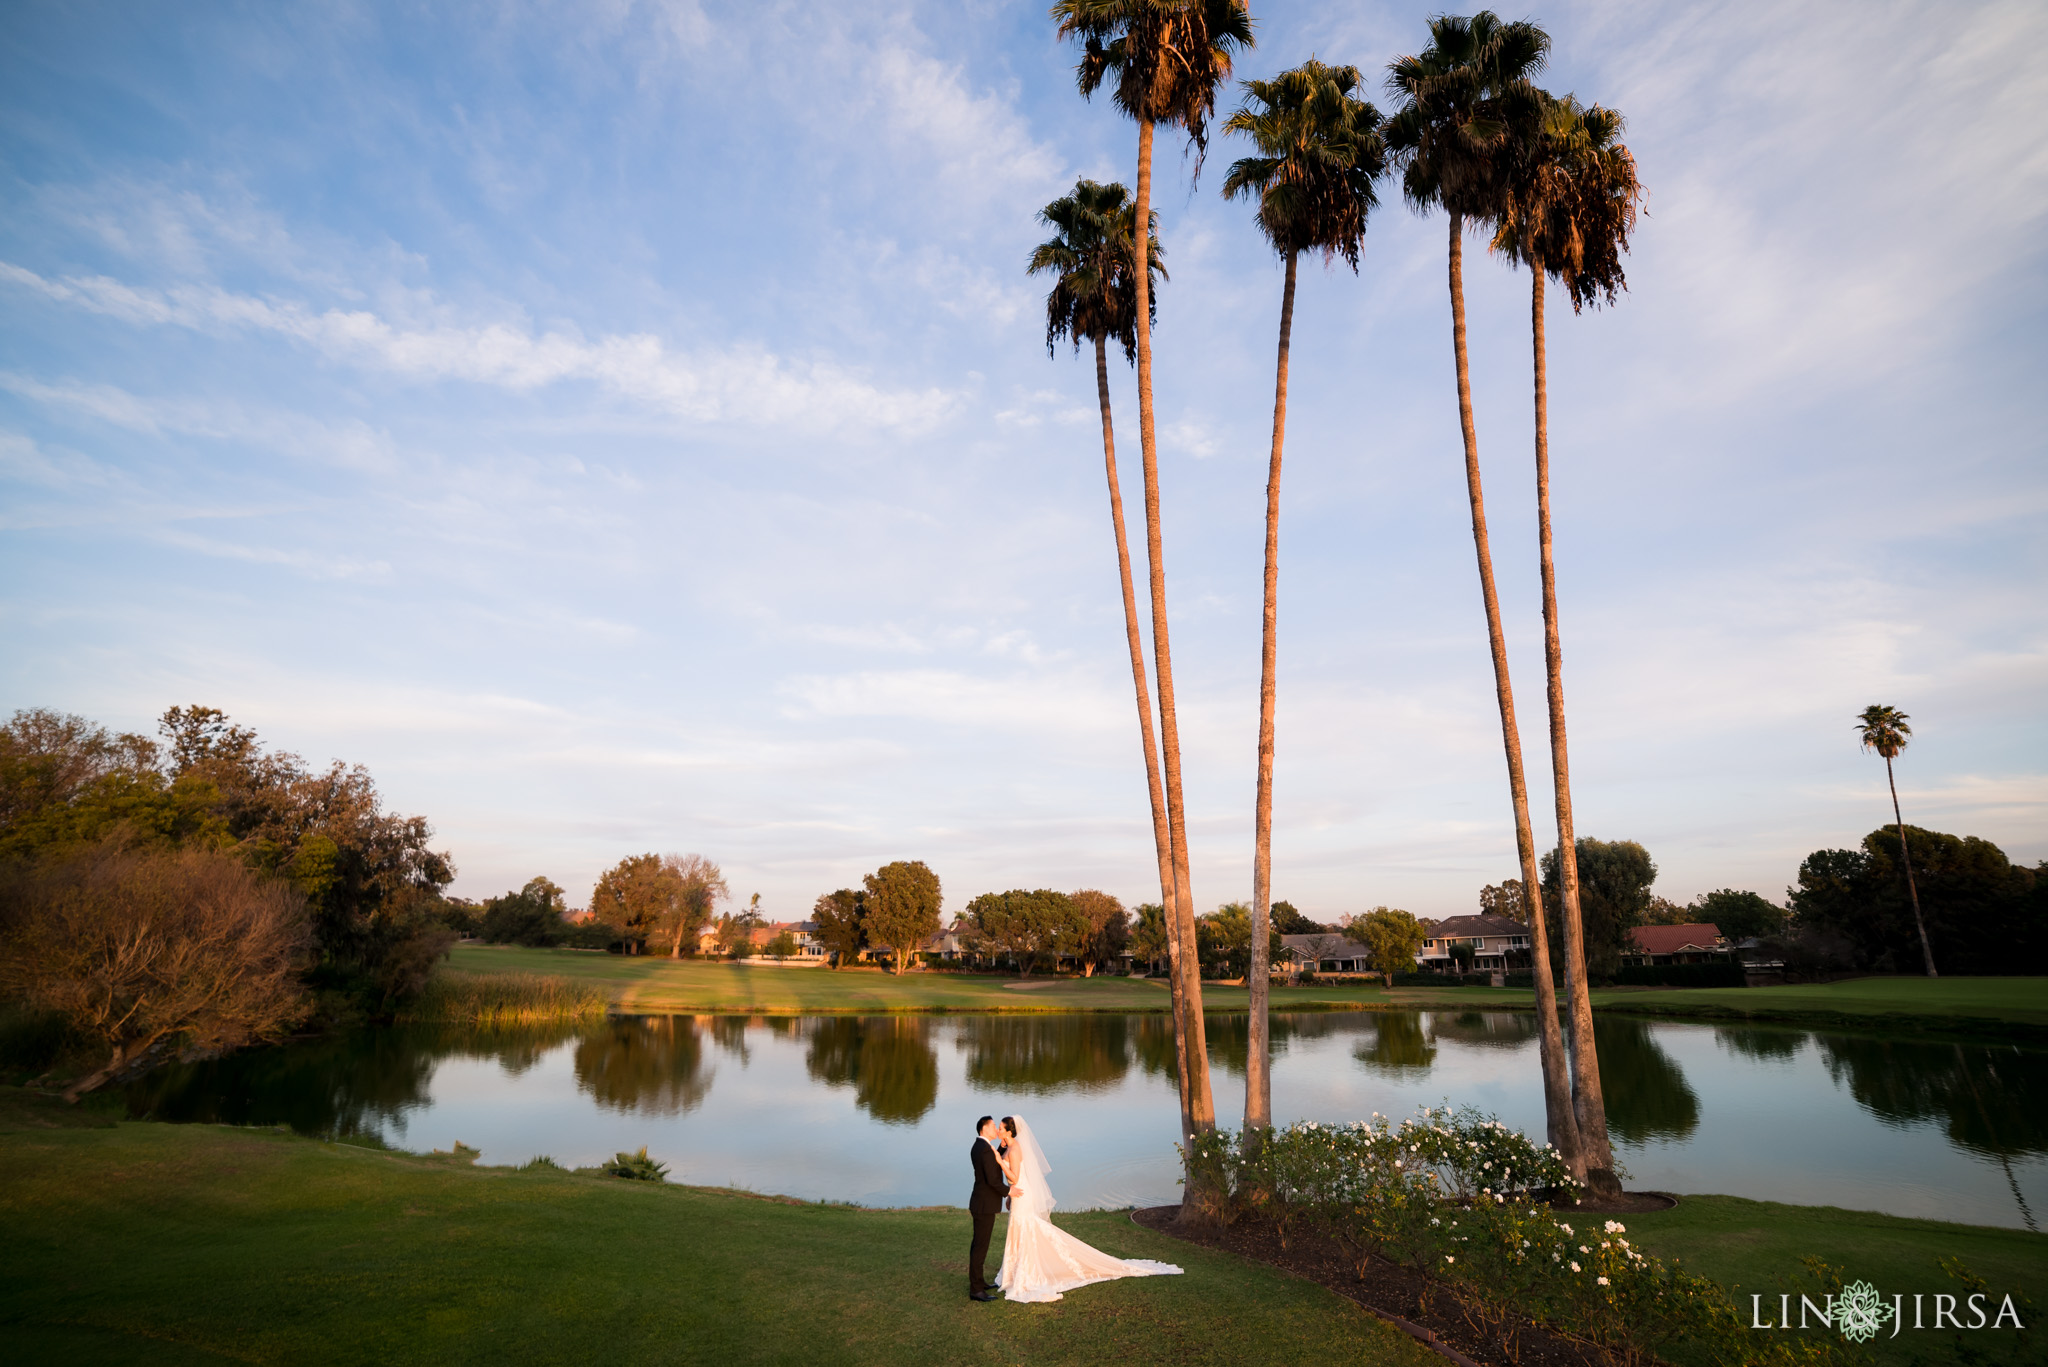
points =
(1487, 1212)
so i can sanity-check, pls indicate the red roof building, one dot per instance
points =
(1697, 943)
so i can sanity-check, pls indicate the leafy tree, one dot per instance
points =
(1393, 938)
(1737, 915)
(1108, 929)
(1884, 730)
(1318, 152)
(1461, 99)
(1024, 925)
(696, 889)
(1504, 899)
(1614, 895)
(902, 908)
(1288, 921)
(146, 950)
(636, 895)
(1163, 60)
(644, 1065)
(531, 916)
(1988, 913)
(840, 919)
(782, 946)
(1226, 941)
(1149, 935)
(371, 882)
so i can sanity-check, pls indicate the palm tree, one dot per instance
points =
(1095, 298)
(1319, 152)
(1459, 100)
(1164, 60)
(1567, 210)
(1884, 730)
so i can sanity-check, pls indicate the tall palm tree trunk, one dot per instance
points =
(1258, 1079)
(1161, 842)
(1557, 1096)
(1589, 1106)
(1906, 858)
(1199, 1103)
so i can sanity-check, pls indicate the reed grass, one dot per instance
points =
(504, 999)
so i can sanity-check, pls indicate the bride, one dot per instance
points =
(1041, 1260)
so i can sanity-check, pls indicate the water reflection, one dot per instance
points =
(1970, 1089)
(1927, 1129)
(343, 1085)
(1765, 1046)
(1486, 1029)
(644, 1065)
(1399, 1046)
(887, 1060)
(1044, 1055)
(1647, 1094)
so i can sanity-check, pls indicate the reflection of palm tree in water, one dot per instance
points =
(1043, 1055)
(652, 1065)
(1915, 1081)
(887, 1060)
(1647, 1094)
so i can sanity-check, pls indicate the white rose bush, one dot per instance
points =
(1486, 1209)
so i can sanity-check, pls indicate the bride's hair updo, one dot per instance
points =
(1010, 1124)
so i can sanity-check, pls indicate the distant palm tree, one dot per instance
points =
(1164, 60)
(1884, 730)
(1095, 298)
(1461, 98)
(1567, 210)
(1319, 152)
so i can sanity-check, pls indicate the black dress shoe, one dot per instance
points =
(982, 1296)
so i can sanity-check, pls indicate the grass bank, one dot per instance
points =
(1755, 1247)
(177, 1244)
(505, 999)
(1995, 1006)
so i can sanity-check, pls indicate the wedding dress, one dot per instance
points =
(1041, 1260)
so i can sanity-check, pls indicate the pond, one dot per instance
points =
(880, 1110)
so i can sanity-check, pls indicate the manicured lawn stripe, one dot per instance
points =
(654, 984)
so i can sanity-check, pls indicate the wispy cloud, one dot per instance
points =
(742, 385)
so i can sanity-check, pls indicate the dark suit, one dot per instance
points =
(990, 1187)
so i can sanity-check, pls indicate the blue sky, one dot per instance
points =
(628, 426)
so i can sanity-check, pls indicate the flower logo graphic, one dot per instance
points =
(1860, 1312)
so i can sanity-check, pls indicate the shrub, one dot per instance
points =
(1463, 1197)
(636, 1167)
(146, 952)
(542, 1163)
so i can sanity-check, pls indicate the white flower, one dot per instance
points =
(1601, 1280)
(1563, 1226)
(1432, 1221)
(1582, 1247)
(1499, 1200)
(1449, 1259)
(1616, 1227)
(1575, 1267)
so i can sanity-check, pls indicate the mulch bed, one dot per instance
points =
(1459, 1328)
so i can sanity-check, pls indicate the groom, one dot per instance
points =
(990, 1187)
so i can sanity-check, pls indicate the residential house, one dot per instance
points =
(1324, 952)
(1699, 942)
(1498, 943)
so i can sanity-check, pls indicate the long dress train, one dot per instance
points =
(1041, 1261)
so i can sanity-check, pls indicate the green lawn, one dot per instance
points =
(177, 1244)
(1909, 1003)
(657, 984)
(1756, 1246)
